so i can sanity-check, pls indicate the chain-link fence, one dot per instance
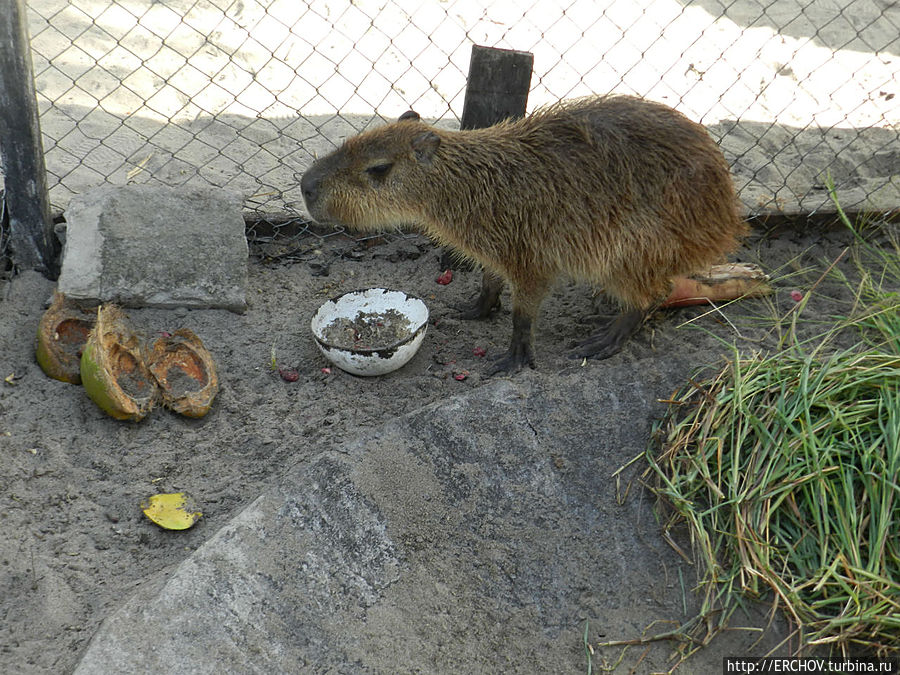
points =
(245, 93)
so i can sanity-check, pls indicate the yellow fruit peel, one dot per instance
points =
(172, 511)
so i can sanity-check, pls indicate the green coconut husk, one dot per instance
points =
(61, 336)
(113, 368)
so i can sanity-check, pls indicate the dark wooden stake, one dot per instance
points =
(497, 89)
(32, 242)
(499, 80)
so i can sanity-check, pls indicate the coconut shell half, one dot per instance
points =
(113, 370)
(62, 334)
(185, 371)
(719, 283)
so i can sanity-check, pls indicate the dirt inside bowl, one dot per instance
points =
(368, 330)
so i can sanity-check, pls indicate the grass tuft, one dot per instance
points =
(786, 470)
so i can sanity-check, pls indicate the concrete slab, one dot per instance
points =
(150, 246)
(483, 525)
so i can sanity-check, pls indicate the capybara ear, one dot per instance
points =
(425, 145)
(409, 115)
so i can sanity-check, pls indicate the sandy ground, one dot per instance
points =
(75, 543)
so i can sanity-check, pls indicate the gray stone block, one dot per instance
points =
(150, 246)
(475, 535)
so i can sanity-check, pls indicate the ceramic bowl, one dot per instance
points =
(371, 359)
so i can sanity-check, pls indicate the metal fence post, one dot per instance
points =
(31, 239)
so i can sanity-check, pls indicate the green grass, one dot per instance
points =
(785, 467)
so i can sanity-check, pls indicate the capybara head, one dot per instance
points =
(368, 182)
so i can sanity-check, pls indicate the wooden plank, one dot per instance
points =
(497, 88)
(32, 243)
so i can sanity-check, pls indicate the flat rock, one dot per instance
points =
(481, 534)
(150, 246)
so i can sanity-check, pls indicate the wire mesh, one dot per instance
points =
(243, 94)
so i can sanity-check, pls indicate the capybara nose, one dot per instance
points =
(310, 186)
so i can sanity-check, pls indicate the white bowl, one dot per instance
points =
(380, 359)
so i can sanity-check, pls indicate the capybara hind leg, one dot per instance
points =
(521, 347)
(488, 299)
(612, 337)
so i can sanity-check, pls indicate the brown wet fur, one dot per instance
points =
(617, 191)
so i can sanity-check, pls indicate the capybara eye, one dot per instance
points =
(379, 171)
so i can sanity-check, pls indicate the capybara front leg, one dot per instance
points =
(488, 299)
(521, 346)
(612, 337)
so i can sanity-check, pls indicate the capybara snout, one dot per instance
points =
(309, 185)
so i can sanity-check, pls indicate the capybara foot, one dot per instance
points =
(511, 362)
(488, 299)
(477, 310)
(521, 346)
(610, 339)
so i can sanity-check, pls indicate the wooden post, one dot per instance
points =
(499, 80)
(497, 89)
(32, 242)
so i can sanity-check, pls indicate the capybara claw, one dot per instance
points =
(510, 363)
(476, 311)
(610, 339)
(595, 348)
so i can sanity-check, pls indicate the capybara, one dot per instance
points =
(624, 193)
